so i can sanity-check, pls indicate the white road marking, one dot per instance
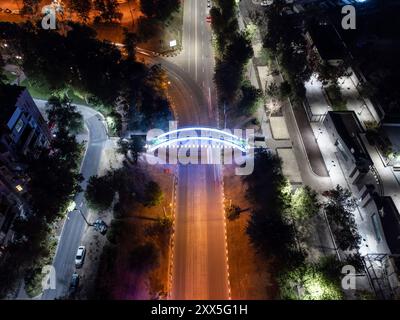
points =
(195, 40)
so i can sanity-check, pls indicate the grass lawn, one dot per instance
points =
(44, 93)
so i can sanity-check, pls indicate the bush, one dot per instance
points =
(114, 233)
(251, 99)
(144, 256)
(310, 282)
(336, 98)
(153, 194)
(100, 191)
(232, 212)
(304, 203)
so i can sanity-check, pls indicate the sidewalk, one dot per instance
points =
(338, 177)
(391, 185)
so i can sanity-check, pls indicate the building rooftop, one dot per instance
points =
(391, 224)
(349, 127)
(327, 42)
(9, 95)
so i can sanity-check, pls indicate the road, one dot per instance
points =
(200, 268)
(74, 226)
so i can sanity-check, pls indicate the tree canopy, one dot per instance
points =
(159, 9)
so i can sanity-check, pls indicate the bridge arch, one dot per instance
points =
(216, 138)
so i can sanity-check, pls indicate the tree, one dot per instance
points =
(131, 148)
(340, 197)
(64, 115)
(82, 8)
(3, 78)
(250, 100)
(54, 176)
(159, 9)
(30, 6)
(273, 90)
(100, 191)
(130, 42)
(144, 256)
(108, 10)
(285, 90)
(153, 194)
(270, 232)
(115, 232)
(147, 28)
(309, 282)
(304, 203)
(339, 210)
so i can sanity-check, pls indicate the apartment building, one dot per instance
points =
(23, 133)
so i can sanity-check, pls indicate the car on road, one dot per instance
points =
(208, 4)
(74, 284)
(80, 256)
(266, 3)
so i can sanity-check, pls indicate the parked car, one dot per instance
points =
(80, 256)
(266, 3)
(74, 284)
(7, 11)
(208, 4)
(100, 226)
(16, 12)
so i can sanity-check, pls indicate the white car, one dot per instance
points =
(266, 3)
(80, 257)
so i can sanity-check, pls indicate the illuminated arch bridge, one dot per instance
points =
(198, 137)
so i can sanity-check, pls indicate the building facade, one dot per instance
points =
(23, 133)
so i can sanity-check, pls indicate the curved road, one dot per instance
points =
(200, 269)
(74, 225)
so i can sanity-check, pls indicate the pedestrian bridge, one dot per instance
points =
(198, 137)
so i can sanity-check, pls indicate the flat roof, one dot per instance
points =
(9, 95)
(391, 224)
(327, 41)
(349, 127)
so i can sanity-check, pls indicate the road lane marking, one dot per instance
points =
(195, 39)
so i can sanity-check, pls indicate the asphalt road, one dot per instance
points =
(74, 226)
(199, 265)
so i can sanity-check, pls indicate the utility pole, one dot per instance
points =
(84, 218)
(130, 10)
(224, 115)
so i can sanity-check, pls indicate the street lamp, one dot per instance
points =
(72, 207)
(319, 134)
(333, 166)
(84, 218)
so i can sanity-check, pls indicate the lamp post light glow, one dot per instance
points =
(172, 43)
